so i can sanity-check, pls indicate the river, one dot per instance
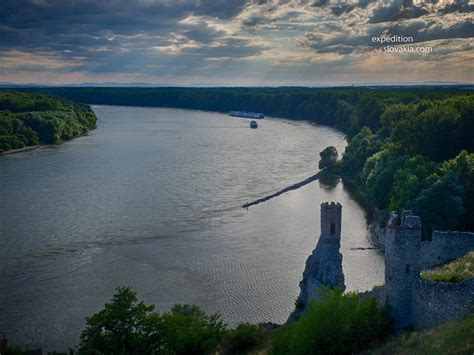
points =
(151, 199)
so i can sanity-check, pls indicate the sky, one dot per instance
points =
(235, 42)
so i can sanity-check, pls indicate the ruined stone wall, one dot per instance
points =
(444, 247)
(438, 302)
(414, 301)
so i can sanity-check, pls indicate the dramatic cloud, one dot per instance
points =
(232, 42)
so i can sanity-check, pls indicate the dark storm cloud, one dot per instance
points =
(462, 6)
(397, 10)
(230, 48)
(255, 20)
(317, 3)
(203, 33)
(339, 10)
(339, 44)
(425, 31)
(420, 30)
(345, 7)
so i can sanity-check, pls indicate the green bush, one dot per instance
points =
(188, 330)
(328, 158)
(243, 338)
(338, 324)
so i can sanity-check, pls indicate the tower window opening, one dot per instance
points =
(333, 228)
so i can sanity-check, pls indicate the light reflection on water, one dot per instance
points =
(151, 200)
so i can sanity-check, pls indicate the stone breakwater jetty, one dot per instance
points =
(413, 301)
(286, 189)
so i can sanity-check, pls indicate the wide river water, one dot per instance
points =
(151, 200)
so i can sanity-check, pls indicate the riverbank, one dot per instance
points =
(374, 218)
(19, 150)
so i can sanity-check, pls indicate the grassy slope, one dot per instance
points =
(455, 337)
(455, 271)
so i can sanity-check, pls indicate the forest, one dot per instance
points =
(346, 108)
(28, 119)
(418, 156)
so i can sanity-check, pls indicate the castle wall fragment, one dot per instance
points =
(439, 302)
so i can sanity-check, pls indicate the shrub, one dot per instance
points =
(243, 338)
(188, 330)
(338, 324)
(328, 158)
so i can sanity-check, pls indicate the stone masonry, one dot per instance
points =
(414, 301)
(324, 265)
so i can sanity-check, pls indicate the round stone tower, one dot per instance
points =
(402, 255)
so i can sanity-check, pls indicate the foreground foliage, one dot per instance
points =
(456, 271)
(243, 338)
(338, 324)
(455, 337)
(127, 326)
(28, 119)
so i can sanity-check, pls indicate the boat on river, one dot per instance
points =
(256, 115)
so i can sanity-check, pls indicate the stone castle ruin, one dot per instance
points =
(324, 265)
(413, 301)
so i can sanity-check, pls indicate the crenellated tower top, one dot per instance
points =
(331, 216)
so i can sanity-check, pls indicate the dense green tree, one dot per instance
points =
(408, 181)
(243, 338)
(188, 330)
(438, 132)
(441, 205)
(362, 146)
(328, 158)
(378, 174)
(463, 166)
(124, 326)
